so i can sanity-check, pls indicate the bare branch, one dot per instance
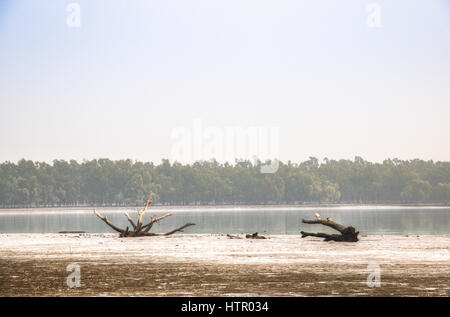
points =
(329, 222)
(130, 220)
(179, 229)
(149, 201)
(141, 213)
(147, 227)
(105, 219)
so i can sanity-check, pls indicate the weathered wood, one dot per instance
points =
(141, 214)
(105, 219)
(348, 234)
(148, 226)
(179, 229)
(139, 229)
(254, 236)
(130, 220)
(247, 236)
(329, 222)
(125, 233)
(233, 236)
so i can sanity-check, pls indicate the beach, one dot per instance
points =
(33, 264)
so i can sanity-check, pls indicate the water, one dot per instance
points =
(264, 220)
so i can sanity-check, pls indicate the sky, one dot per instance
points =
(336, 79)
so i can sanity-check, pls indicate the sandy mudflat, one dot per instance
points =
(214, 265)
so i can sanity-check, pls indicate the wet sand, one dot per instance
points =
(214, 265)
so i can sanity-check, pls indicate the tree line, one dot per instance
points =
(126, 182)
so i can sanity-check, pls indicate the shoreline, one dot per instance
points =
(231, 206)
(213, 265)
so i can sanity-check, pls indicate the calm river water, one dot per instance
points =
(264, 220)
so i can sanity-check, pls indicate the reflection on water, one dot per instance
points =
(265, 220)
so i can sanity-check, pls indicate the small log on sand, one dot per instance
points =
(254, 236)
(233, 236)
(248, 236)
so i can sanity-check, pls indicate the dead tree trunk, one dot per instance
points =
(139, 229)
(348, 234)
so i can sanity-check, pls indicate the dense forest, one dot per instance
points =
(127, 182)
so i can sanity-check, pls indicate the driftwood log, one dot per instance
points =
(139, 229)
(247, 236)
(254, 236)
(347, 234)
(233, 236)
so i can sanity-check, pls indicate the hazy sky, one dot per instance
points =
(134, 71)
